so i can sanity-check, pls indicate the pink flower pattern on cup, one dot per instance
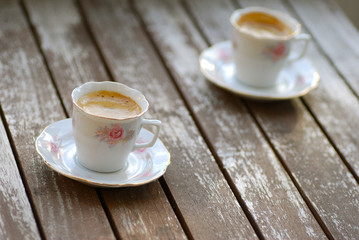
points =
(113, 134)
(276, 52)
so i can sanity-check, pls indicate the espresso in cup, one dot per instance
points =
(109, 104)
(262, 41)
(263, 25)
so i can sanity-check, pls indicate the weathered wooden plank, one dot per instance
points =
(73, 59)
(14, 224)
(327, 187)
(143, 213)
(229, 126)
(65, 209)
(335, 34)
(328, 104)
(201, 193)
(339, 101)
(247, 158)
(67, 46)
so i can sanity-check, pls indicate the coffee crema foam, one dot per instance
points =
(109, 104)
(263, 25)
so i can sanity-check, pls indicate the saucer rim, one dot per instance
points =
(96, 183)
(269, 97)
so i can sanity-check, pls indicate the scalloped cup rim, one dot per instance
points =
(121, 88)
(294, 24)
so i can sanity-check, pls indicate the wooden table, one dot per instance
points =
(241, 169)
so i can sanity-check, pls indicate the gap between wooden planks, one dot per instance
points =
(306, 128)
(29, 103)
(72, 60)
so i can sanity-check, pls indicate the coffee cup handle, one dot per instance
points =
(157, 124)
(301, 37)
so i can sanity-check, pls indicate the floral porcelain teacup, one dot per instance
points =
(103, 144)
(261, 41)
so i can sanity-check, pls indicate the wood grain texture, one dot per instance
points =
(326, 181)
(334, 104)
(16, 218)
(335, 34)
(340, 107)
(143, 213)
(67, 46)
(72, 58)
(65, 209)
(200, 191)
(258, 176)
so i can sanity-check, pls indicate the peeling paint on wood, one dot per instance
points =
(14, 224)
(65, 208)
(261, 181)
(72, 57)
(194, 178)
(320, 171)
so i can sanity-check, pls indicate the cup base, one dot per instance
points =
(101, 169)
(259, 86)
(257, 75)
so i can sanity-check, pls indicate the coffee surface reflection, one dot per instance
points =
(263, 25)
(109, 104)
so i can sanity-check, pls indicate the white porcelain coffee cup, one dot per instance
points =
(260, 57)
(104, 144)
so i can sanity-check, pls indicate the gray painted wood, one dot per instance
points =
(197, 187)
(247, 158)
(340, 109)
(65, 208)
(335, 34)
(328, 183)
(73, 60)
(16, 217)
(201, 193)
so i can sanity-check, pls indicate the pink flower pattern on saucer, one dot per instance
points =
(224, 55)
(114, 134)
(55, 146)
(139, 141)
(301, 78)
(276, 52)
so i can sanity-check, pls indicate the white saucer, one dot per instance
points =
(295, 80)
(56, 146)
